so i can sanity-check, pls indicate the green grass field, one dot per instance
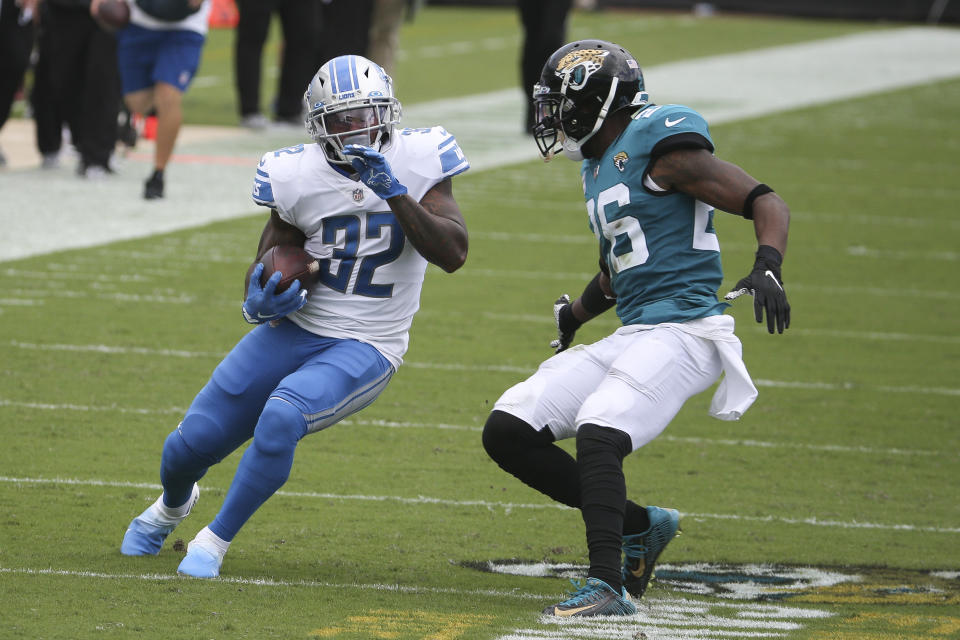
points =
(845, 472)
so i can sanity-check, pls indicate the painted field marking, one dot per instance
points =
(496, 368)
(40, 295)
(270, 582)
(667, 617)
(429, 625)
(115, 350)
(43, 406)
(394, 424)
(583, 276)
(487, 504)
(857, 251)
(678, 619)
(500, 274)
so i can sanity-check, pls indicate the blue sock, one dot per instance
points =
(180, 468)
(264, 468)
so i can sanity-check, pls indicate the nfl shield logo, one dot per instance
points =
(358, 195)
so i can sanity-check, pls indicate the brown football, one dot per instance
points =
(113, 14)
(293, 262)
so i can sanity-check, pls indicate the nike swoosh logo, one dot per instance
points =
(669, 123)
(638, 572)
(566, 613)
(773, 277)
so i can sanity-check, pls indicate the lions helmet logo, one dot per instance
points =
(577, 66)
(620, 160)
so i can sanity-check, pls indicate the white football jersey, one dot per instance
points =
(370, 276)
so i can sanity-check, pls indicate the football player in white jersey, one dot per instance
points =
(374, 204)
(650, 183)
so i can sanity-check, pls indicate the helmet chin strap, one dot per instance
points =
(573, 148)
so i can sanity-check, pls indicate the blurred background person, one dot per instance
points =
(544, 31)
(77, 81)
(385, 20)
(16, 43)
(159, 54)
(298, 21)
(48, 121)
(343, 29)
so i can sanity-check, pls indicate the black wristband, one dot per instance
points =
(769, 258)
(593, 299)
(769, 255)
(566, 321)
(755, 193)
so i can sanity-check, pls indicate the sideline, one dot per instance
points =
(209, 180)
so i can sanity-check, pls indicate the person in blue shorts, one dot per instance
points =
(159, 53)
(651, 183)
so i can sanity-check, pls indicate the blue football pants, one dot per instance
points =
(277, 385)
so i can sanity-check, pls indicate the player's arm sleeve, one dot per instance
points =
(263, 185)
(688, 130)
(451, 157)
(268, 187)
(434, 154)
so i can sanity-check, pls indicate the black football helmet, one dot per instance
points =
(581, 84)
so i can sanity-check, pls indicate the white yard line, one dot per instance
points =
(46, 211)
(493, 368)
(487, 504)
(270, 582)
(440, 426)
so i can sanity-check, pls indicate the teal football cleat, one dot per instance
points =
(641, 550)
(147, 532)
(594, 598)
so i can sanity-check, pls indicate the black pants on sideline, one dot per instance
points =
(16, 42)
(47, 118)
(84, 80)
(344, 29)
(545, 31)
(298, 20)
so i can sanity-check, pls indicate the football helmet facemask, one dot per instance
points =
(581, 84)
(350, 101)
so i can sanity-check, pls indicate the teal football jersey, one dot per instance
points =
(661, 247)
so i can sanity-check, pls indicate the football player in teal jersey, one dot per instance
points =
(651, 184)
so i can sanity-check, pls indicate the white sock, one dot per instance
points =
(173, 515)
(211, 542)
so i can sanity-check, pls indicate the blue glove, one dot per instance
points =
(375, 171)
(263, 305)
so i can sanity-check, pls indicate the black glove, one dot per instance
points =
(766, 286)
(567, 325)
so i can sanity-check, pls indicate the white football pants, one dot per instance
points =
(633, 380)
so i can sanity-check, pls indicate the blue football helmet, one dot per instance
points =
(581, 84)
(350, 101)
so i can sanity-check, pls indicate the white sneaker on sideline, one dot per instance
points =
(256, 121)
